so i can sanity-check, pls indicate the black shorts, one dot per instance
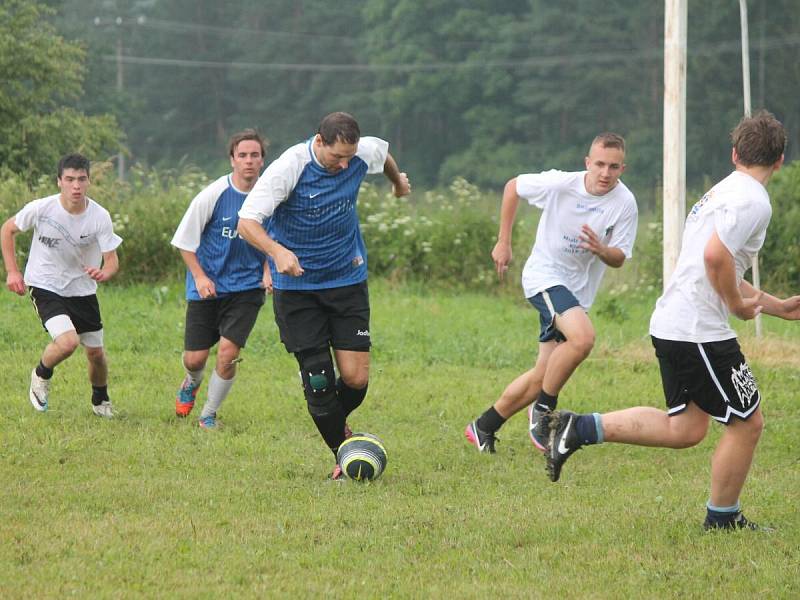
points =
(713, 375)
(232, 316)
(317, 318)
(83, 311)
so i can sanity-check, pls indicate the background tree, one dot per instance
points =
(42, 74)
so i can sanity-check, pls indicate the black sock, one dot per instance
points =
(349, 398)
(99, 394)
(586, 428)
(331, 428)
(546, 401)
(43, 372)
(490, 421)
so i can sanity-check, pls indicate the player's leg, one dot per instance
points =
(349, 318)
(303, 325)
(200, 334)
(85, 313)
(732, 458)
(54, 314)
(562, 319)
(517, 395)
(685, 379)
(238, 314)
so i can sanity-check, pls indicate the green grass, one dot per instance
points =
(151, 506)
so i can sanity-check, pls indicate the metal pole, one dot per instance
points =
(748, 110)
(120, 85)
(675, 18)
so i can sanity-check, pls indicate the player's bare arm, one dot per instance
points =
(788, 308)
(613, 257)
(108, 270)
(266, 280)
(205, 286)
(286, 261)
(14, 279)
(721, 271)
(400, 185)
(501, 253)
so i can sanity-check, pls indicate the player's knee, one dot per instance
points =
(752, 427)
(68, 342)
(686, 437)
(583, 343)
(196, 360)
(319, 381)
(227, 353)
(356, 381)
(95, 354)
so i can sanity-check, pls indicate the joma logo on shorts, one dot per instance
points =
(364, 333)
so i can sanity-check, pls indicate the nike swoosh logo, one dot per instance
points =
(314, 195)
(39, 402)
(226, 218)
(562, 447)
(84, 236)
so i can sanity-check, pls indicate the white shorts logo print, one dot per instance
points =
(745, 384)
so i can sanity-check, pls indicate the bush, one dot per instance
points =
(780, 256)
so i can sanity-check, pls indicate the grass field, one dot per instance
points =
(150, 506)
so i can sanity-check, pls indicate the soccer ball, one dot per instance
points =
(362, 457)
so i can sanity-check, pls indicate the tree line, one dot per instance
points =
(483, 90)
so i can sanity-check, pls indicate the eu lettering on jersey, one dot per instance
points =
(228, 232)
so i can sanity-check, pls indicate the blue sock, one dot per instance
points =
(722, 514)
(589, 429)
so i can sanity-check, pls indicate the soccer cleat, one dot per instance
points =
(337, 474)
(483, 441)
(563, 442)
(38, 392)
(104, 409)
(184, 401)
(209, 422)
(739, 521)
(539, 427)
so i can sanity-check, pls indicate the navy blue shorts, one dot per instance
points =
(550, 303)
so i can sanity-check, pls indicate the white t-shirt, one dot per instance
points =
(64, 244)
(557, 258)
(738, 209)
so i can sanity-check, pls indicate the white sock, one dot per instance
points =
(218, 389)
(196, 377)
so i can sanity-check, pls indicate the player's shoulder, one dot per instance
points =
(625, 194)
(552, 178)
(96, 209)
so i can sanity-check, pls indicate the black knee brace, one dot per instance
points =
(319, 381)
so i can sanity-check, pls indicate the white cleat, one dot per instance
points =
(104, 409)
(38, 392)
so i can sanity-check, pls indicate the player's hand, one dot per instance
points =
(748, 308)
(402, 188)
(16, 283)
(590, 241)
(501, 255)
(286, 262)
(205, 287)
(791, 308)
(98, 275)
(266, 281)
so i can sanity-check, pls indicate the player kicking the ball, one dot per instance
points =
(74, 248)
(319, 262)
(703, 371)
(588, 222)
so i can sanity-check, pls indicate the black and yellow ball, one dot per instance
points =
(362, 457)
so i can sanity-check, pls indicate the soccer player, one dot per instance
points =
(73, 248)
(703, 371)
(588, 222)
(319, 262)
(226, 278)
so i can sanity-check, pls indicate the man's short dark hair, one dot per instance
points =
(248, 134)
(341, 127)
(759, 140)
(609, 140)
(73, 161)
